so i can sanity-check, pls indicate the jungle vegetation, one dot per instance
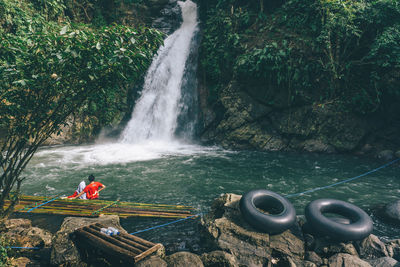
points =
(307, 51)
(53, 64)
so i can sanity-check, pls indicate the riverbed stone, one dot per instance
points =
(219, 258)
(393, 248)
(371, 247)
(385, 155)
(313, 257)
(225, 229)
(64, 251)
(347, 260)
(392, 210)
(153, 261)
(384, 262)
(183, 259)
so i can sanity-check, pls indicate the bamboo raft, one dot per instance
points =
(128, 248)
(93, 208)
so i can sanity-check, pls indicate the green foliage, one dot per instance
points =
(306, 51)
(4, 260)
(49, 71)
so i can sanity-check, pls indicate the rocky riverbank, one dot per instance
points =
(227, 238)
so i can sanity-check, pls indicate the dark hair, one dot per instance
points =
(91, 178)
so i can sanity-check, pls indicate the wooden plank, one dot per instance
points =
(147, 252)
(125, 240)
(136, 239)
(105, 246)
(111, 239)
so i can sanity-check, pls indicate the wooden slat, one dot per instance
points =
(106, 247)
(147, 252)
(136, 239)
(113, 240)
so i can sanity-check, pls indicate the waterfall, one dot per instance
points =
(155, 116)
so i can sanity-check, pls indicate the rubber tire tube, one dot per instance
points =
(360, 225)
(267, 223)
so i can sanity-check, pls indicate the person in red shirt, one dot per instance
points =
(92, 190)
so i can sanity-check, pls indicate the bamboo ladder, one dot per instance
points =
(128, 248)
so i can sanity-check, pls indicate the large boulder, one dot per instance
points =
(384, 262)
(64, 251)
(225, 229)
(371, 247)
(152, 262)
(393, 248)
(219, 258)
(392, 210)
(347, 260)
(183, 259)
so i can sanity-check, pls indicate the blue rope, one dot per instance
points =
(42, 204)
(342, 182)
(165, 224)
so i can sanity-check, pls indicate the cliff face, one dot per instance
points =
(240, 121)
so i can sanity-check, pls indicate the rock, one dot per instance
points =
(224, 229)
(28, 237)
(153, 261)
(313, 257)
(183, 259)
(64, 252)
(17, 223)
(384, 262)
(20, 262)
(346, 260)
(392, 210)
(309, 264)
(371, 248)
(219, 258)
(397, 154)
(386, 155)
(317, 146)
(393, 248)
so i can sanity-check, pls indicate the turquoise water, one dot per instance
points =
(195, 175)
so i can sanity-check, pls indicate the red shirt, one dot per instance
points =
(91, 190)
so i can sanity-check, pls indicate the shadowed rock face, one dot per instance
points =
(244, 122)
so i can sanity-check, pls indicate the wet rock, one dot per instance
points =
(17, 223)
(397, 154)
(29, 237)
(21, 262)
(219, 258)
(386, 155)
(313, 257)
(317, 146)
(346, 260)
(309, 264)
(152, 262)
(64, 252)
(371, 248)
(392, 210)
(384, 262)
(393, 248)
(182, 259)
(225, 229)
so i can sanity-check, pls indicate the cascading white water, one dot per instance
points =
(154, 117)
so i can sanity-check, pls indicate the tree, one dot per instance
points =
(46, 75)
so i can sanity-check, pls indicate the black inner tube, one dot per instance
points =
(269, 205)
